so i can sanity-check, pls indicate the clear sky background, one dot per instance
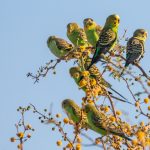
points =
(24, 28)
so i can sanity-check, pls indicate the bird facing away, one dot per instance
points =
(59, 47)
(74, 112)
(135, 47)
(96, 120)
(76, 35)
(92, 30)
(107, 38)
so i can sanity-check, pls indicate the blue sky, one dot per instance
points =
(24, 29)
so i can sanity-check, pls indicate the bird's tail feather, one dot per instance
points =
(122, 100)
(119, 94)
(116, 133)
(122, 71)
(125, 66)
(121, 135)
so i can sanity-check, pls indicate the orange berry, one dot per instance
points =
(147, 142)
(90, 101)
(140, 135)
(93, 82)
(134, 142)
(110, 68)
(112, 118)
(20, 135)
(58, 115)
(66, 120)
(148, 107)
(12, 139)
(19, 146)
(85, 73)
(146, 100)
(69, 145)
(148, 83)
(106, 109)
(78, 146)
(79, 140)
(28, 127)
(137, 103)
(118, 112)
(82, 83)
(29, 135)
(142, 123)
(59, 143)
(82, 48)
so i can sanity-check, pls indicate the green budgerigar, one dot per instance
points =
(135, 47)
(59, 47)
(92, 30)
(107, 38)
(75, 113)
(76, 74)
(77, 35)
(96, 120)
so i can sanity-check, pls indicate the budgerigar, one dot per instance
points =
(76, 74)
(135, 47)
(74, 112)
(59, 47)
(107, 38)
(96, 120)
(92, 30)
(76, 35)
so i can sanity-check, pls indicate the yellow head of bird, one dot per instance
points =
(89, 23)
(74, 70)
(72, 26)
(50, 39)
(89, 107)
(67, 103)
(113, 20)
(142, 33)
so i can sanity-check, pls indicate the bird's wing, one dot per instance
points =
(62, 44)
(82, 34)
(97, 120)
(107, 37)
(135, 48)
(94, 72)
(77, 111)
(98, 29)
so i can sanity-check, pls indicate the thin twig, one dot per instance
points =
(56, 123)
(137, 65)
(135, 98)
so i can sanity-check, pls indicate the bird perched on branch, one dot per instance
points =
(107, 38)
(92, 30)
(96, 121)
(76, 35)
(75, 113)
(59, 47)
(94, 75)
(135, 47)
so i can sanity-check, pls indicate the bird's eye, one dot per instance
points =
(91, 19)
(142, 33)
(64, 103)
